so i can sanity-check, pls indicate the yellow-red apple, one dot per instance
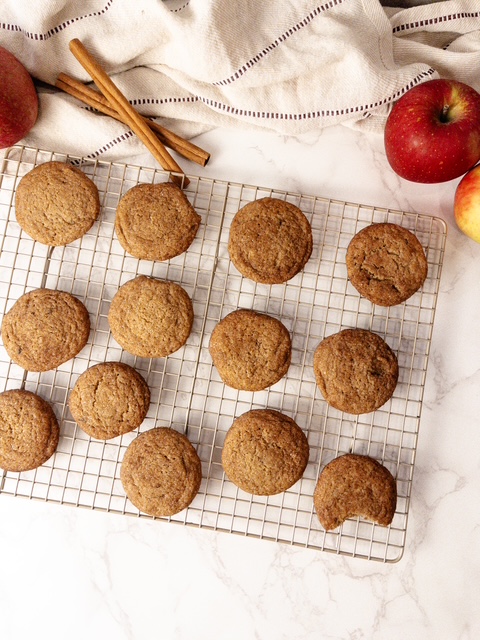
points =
(18, 100)
(467, 204)
(433, 132)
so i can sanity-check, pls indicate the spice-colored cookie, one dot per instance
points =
(151, 318)
(355, 370)
(56, 203)
(270, 240)
(355, 485)
(250, 350)
(386, 263)
(156, 221)
(109, 399)
(45, 328)
(265, 452)
(29, 430)
(161, 472)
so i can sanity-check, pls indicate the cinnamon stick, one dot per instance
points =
(98, 101)
(128, 114)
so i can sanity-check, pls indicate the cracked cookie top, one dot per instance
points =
(355, 485)
(109, 399)
(156, 221)
(45, 328)
(56, 203)
(386, 263)
(151, 318)
(270, 240)
(161, 472)
(250, 350)
(265, 452)
(29, 430)
(355, 370)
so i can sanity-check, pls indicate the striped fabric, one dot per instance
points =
(283, 66)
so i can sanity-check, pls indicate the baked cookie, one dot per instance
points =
(56, 203)
(45, 328)
(151, 318)
(250, 350)
(355, 370)
(386, 263)
(156, 221)
(265, 452)
(270, 240)
(355, 485)
(29, 430)
(161, 472)
(109, 399)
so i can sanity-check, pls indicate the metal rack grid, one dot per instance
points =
(186, 391)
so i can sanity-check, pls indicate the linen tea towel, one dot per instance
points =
(286, 67)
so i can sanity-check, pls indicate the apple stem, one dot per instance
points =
(444, 115)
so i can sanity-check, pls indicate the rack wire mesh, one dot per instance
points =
(186, 390)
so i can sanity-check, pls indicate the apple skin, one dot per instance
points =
(433, 132)
(18, 100)
(466, 205)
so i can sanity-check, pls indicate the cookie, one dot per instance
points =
(250, 350)
(386, 263)
(56, 203)
(29, 430)
(355, 485)
(151, 318)
(355, 370)
(156, 221)
(270, 240)
(45, 328)
(161, 472)
(265, 452)
(109, 399)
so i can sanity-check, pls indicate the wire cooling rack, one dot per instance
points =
(186, 390)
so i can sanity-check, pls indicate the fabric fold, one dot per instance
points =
(286, 67)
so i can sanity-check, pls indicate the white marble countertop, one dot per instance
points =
(73, 573)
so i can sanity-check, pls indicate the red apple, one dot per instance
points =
(18, 100)
(467, 204)
(433, 132)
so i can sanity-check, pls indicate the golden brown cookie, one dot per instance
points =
(45, 328)
(355, 485)
(355, 370)
(250, 350)
(56, 203)
(29, 430)
(265, 452)
(161, 472)
(386, 263)
(109, 399)
(156, 221)
(270, 240)
(151, 318)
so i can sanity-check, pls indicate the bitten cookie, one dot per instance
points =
(56, 203)
(265, 452)
(250, 350)
(355, 485)
(156, 221)
(109, 399)
(270, 240)
(355, 370)
(29, 430)
(45, 328)
(386, 263)
(151, 318)
(161, 472)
